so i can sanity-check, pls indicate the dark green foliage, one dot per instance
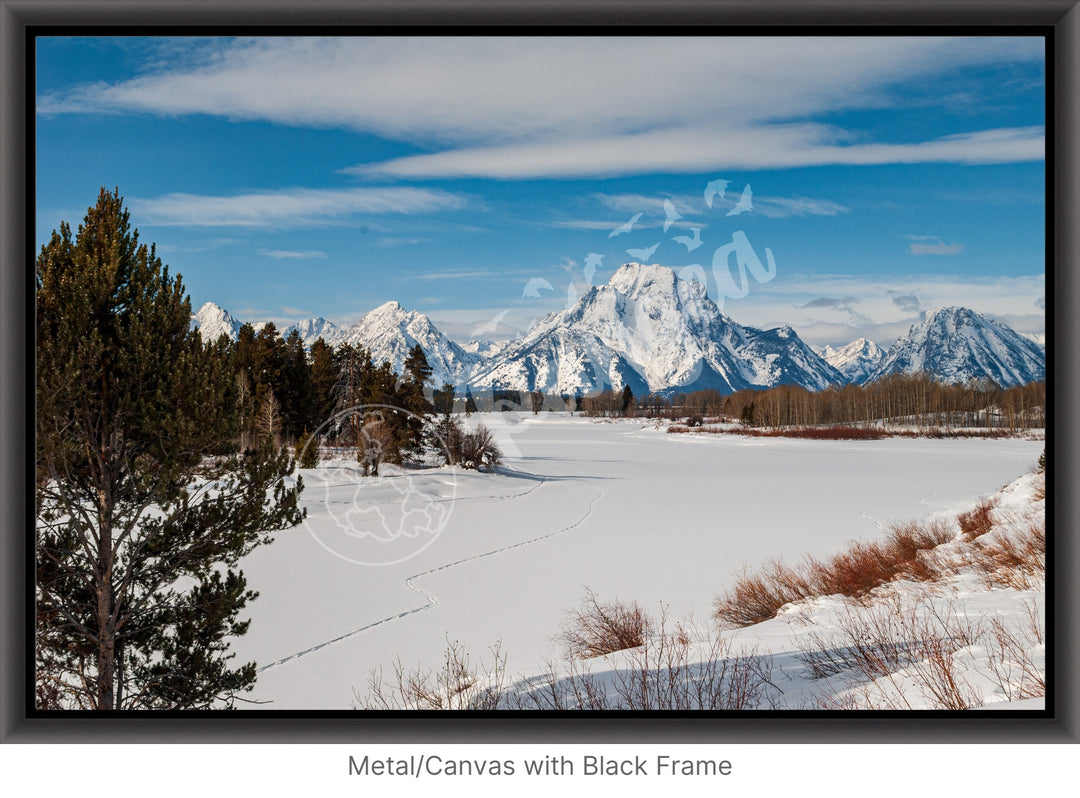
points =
(295, 391)
(416, 366)
(444, 400)
(137, 591)
(351, 390)
(505, 400)
(323, 378)
(627, 399)
(410, 397)
(746, 415)
(307, 450)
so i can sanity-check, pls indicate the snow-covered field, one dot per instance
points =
(618, 507)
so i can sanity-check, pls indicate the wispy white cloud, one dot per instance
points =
(822, 307)
(581, 224)
(290, 207)
(286, 254)
(691, 207)
(932, 245)
(565, 106)
(781, 207)
(475, 274)
(692, 149)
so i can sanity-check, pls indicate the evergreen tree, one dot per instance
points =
(353, 367)
(137, 591)
(390, 435)
(323, 377)
(416, 366)
(296, 394)
(307, 450)
(447, 430)
(411, 398)
(444, 400)
(627, 398)
(268, 358)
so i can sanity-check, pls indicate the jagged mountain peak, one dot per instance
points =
(651, 329)
(856, 360)
(957, 344)
(313, 329)
(391, 308)
(641, 278)
(212, 321)
(390, 331)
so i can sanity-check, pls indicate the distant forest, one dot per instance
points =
(285, 391)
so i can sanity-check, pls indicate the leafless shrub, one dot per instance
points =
(756, 597)
(1040, 488)
(1011, 656)
(478, 450)
(881, 652)
(977, 521)
(1017, 561)
(854, 572)
(850, 433)
(682, 670)
(376, 444)
(597, 628)
(456, 686)
(669, 672)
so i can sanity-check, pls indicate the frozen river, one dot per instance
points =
(631, 512)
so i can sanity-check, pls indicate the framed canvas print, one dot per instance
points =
(604, 377)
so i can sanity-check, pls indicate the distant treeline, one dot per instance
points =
(907, 400)
(285, 391)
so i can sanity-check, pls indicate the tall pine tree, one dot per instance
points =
(142, 517)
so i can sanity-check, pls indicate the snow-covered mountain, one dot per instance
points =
(212, 322)
(312, 330)
(483, 347)
(955, 345)
(856, 361)
(390, 331)
(655, 332)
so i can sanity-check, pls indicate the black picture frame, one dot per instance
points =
(20, 19)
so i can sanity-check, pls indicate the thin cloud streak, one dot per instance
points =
(936, 248)
(689, 150)
(293, 207)
(285, 254)
(592, 107)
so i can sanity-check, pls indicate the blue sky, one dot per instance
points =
(477, 179)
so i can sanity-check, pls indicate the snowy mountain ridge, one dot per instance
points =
(856, 361)
(956, 345)
(312, 330)
(658, 333)
(389, 331)
(651, 330)
(212, 322)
